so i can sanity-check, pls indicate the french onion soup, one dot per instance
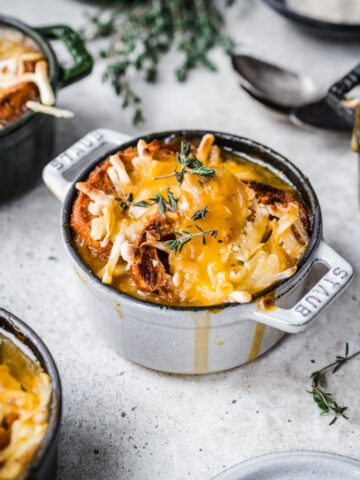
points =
(24, 398)
(188, 224)
(24, 76)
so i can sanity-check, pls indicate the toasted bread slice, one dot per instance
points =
(81, 218)
(148, 269)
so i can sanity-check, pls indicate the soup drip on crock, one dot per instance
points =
(188, 224)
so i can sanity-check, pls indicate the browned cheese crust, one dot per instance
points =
(268, 195)
(148, 270)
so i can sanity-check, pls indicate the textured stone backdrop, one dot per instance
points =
(120, 420)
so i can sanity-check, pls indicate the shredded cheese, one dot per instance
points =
(39, 77)
(47, 110)
(117, 173)
(119, 242)
(98, 228)
(204, 149)
(240, 297)
(256, 245)
(143, 150)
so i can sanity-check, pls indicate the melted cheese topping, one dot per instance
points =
(21, 63)
(255, 244)
(23, 415)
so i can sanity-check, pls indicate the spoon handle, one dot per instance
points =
(336, 93)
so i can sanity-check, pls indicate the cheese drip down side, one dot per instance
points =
(251, 234)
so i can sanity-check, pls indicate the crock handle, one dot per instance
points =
(297, 318)
(83, 61)
(57, 175)
(336, 94)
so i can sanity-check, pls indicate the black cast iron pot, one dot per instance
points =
(27, 144)
(324, 28)
(43, 465)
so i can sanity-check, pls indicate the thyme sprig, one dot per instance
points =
(323, 399)
(200, 214)
(189, 163)
(135, 35)
(186, 236)
(169, 204)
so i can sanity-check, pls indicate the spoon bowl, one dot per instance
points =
(273, 84)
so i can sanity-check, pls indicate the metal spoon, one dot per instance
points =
(287, 92)
(273, 83)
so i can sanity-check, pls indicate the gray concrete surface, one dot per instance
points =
(120, 420)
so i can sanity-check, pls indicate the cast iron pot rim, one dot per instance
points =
(47, 361)
(53, 65)
(282, 7)
(303, 265)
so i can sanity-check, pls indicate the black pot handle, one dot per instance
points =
(336, 94)
(83, 61)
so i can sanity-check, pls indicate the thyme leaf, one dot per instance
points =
(161, 204)
(189, 163)
(324, 400)
(142, 203)
(172, 201)
(203, 171)
(170, 204)
(200, 213)
(185, 236)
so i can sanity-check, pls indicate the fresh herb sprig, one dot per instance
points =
(189, 163)
(200, 214)
(323, 399)
(170, 204)
(186, 236)
(125, 204)
(135, 35)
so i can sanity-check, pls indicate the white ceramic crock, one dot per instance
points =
(199, 339)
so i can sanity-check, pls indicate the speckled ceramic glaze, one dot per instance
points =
(295, 466)
(196, 339)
